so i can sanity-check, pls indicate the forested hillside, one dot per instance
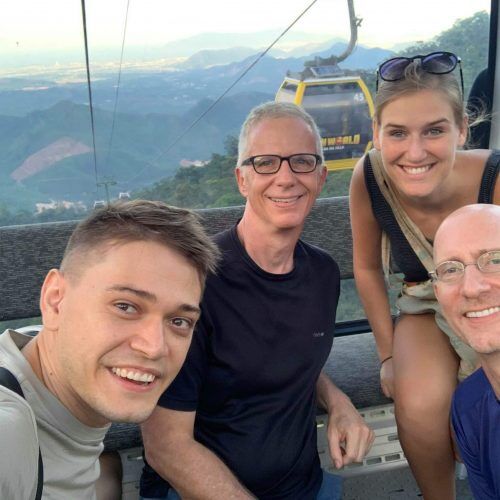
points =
(467, 39)
(140, 142)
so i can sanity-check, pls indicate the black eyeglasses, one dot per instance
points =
(437, 63)
(452, 271)
(301, 163)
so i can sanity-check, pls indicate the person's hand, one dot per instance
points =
(387, 378)
(349, 438)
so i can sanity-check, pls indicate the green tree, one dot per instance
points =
(212, 185)
(468, 38)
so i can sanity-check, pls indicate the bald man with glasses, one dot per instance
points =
(239, 421)
(467, 285)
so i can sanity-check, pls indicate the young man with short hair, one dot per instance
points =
(118, 318)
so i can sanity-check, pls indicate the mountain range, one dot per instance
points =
(46, 140)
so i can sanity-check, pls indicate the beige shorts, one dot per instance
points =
(420, 299)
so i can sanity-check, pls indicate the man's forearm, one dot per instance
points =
(349, 437)
(195, 472)
(329, 395)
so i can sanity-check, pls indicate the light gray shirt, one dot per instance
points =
(70, 449)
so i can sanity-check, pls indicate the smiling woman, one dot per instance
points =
(418, 136)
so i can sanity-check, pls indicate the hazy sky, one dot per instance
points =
(37, 24)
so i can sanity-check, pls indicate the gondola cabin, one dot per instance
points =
(342, 108)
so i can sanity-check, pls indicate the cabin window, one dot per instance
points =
(287, 92)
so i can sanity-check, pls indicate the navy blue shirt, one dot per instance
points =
(251, 371)
(475, 414)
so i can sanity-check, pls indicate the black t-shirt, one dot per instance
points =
(251, 371)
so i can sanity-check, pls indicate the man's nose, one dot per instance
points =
(474, 281)
(285, 174)
(150, 339)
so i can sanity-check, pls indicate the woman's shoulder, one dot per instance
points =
(358, 174)
(475, 169)
(470, 164)
(473, 157)
(360, 165)
(470, 158)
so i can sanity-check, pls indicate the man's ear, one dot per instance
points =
(436, 290)
(53, 290)
(241, 181)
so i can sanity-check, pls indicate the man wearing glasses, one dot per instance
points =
(467, 284)
(239, 420)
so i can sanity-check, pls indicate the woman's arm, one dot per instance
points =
(367, 265)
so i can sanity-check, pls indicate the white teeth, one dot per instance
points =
(285, 200)
(133, 375)
(416, 170)
(484, 312)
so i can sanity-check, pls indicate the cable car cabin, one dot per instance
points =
(342, 108)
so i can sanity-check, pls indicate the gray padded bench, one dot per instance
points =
(28, 252)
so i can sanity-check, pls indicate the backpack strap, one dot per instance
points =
(8, 380)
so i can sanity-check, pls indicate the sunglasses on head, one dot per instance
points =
(437, 63)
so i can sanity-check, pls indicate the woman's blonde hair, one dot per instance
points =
(416, 79)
